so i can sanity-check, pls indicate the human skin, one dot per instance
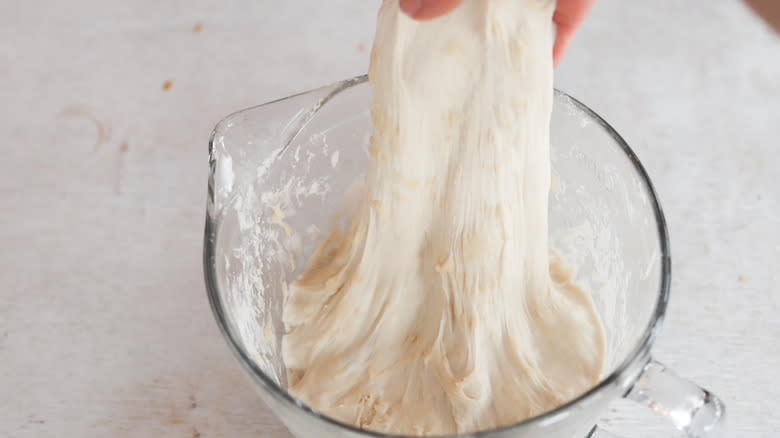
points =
(567, 17)
(769, 10)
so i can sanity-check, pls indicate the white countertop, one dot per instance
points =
(105, 330)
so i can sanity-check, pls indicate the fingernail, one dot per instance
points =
(410, 7)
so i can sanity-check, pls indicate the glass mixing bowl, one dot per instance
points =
(279, 172)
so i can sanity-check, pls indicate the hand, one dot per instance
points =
(567, 17)
(769, 10)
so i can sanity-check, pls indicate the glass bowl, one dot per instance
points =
(279, 172)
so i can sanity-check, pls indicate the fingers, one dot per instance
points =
(567, 17)
(769, 10)
(428, 9)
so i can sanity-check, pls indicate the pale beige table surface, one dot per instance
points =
(105, 330)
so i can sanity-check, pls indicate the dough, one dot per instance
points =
(440, 308)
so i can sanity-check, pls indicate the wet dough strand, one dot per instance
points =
(440, 309)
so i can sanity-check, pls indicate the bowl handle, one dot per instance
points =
(690, 408)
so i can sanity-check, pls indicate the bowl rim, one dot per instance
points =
(626, 373)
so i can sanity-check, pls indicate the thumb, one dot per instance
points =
(428, 9)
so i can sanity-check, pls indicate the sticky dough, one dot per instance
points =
(440, 308)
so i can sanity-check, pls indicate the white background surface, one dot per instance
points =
(105, 329)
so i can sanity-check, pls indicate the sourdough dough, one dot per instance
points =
(440, 309)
